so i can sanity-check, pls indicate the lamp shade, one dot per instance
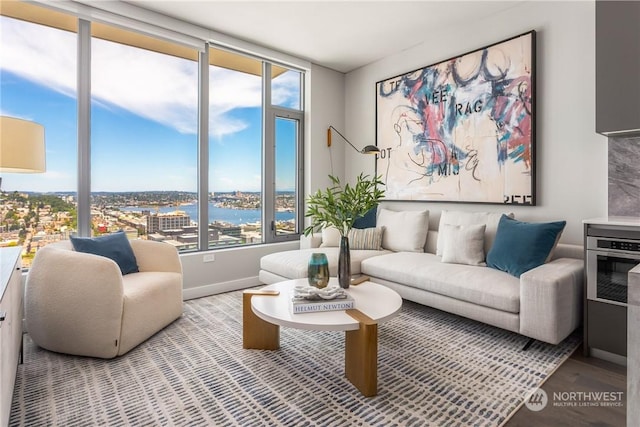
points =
(370, 149)
(21, 146)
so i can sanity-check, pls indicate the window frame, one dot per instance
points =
(270, 191)
(270, 114)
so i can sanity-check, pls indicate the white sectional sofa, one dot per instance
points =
(544, 303)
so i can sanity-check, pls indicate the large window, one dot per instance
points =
(134, 102)
(286, 141)
(287, 118)
(255, 131)
(144, 139)
(38, 83)
(235, 149)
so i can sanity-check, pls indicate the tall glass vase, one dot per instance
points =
(344, 263)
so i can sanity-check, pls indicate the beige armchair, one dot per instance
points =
(80, 303)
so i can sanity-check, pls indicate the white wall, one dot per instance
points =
(233, 268)
(571, 158)
(325, 107)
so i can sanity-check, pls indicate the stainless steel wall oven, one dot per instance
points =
(608, 263)
(610, 252)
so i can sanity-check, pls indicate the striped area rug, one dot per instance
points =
(434, 369)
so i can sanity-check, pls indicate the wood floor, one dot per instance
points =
(579, 374)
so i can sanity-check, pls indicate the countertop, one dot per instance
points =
(8, 258)
(632, 221)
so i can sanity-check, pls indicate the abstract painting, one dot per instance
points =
(462, 130)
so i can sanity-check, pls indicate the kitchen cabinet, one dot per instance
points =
(11, 310)
(618, 68)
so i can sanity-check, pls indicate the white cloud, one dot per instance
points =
(39, 54)
(158, 87)
(8, 113)
(286, 89)
(229, 90)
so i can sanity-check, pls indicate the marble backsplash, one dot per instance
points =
(624, 177)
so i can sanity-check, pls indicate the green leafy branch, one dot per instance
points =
(340, 205)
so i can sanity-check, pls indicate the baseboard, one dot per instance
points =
(609, 357)
(218, 288)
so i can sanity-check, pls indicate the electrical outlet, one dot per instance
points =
(208, 258)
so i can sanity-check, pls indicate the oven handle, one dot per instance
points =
(615, 253)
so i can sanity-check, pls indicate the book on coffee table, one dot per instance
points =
(299, 306)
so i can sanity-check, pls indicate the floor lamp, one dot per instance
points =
(21, 146)
(369, 149)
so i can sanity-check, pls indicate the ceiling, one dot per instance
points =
(341, 35)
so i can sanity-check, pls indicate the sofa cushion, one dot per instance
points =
(114, 246)
(404, 231)
(330, 237)
(521, 246)
(151, 301)
(490, 219)
(463, 244)
(366, 238)
(367, 220)
(294, 264)
(478, 285)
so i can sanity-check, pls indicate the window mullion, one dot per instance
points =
(84, 128)
(203, 151)
(268, 158)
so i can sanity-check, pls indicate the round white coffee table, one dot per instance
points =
(266, 309)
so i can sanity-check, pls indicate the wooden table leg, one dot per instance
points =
(256, 333)
(361, 354)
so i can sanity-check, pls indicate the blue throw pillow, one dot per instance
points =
(367, 220)
(115, 246)
(520, 246)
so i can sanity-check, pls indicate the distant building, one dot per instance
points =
(224, 240)
(156, 237)
(226, 229)
(180, 246)
(188, 238)
(192, 236)
(252, 226)
(171, 234)
(252, 237)
(167, 221)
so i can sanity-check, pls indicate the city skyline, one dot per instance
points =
(144, 123)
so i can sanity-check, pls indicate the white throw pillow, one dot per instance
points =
(405, 230)
(330, 237)
(463, 244)
(490, 219)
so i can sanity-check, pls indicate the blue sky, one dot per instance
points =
(144, 116)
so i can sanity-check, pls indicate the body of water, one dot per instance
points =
(234, 216)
